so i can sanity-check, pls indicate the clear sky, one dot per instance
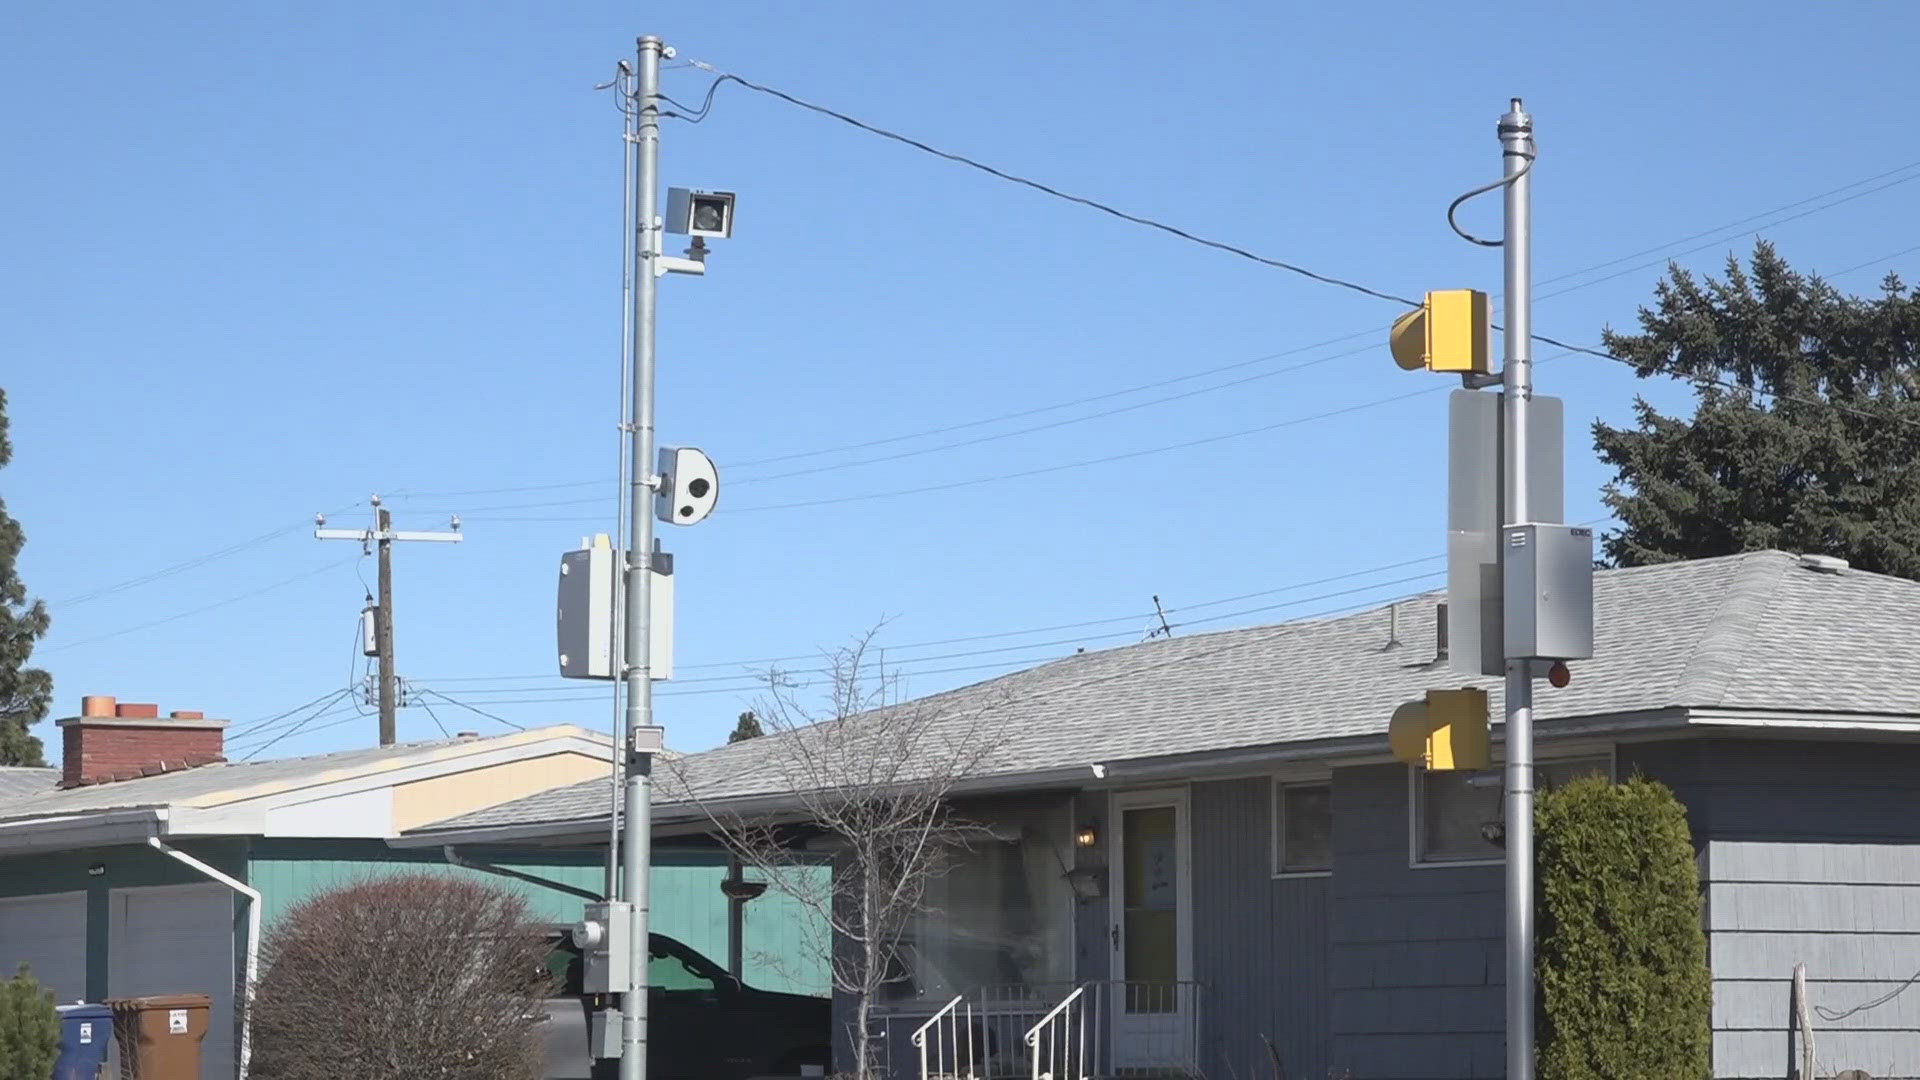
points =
(263, 259)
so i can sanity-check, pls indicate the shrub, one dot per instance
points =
(29, 1027)
(403, 978)
(1624, 988)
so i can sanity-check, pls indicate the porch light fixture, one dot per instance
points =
(742, 890)
(98, 869)
(1086, 836)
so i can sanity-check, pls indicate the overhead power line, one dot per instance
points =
(190, 564)
(1161, 226)
(1081, 200)
(203, 609)
(1180, 612)
(1147, 663)
(254, 726)
(1188, 377)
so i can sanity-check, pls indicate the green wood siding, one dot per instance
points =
(289, 871)
(686, 901)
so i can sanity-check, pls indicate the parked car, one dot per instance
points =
(702, 1023)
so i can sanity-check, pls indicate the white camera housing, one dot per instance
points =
(689, 486)
(693, 212)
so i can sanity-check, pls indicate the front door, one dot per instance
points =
(1151, 1004)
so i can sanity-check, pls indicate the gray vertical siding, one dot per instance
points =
(1416, 971)
(1260, 944)
(1093, 948)
(1813, 856)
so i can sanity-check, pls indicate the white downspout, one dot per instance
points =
(245, 998)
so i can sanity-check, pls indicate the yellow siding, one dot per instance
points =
(425, 801)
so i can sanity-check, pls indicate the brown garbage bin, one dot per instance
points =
(160, 1036)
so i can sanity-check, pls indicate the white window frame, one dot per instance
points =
(1277, 823)
(1416, 802)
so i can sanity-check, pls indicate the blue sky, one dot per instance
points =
(265, 259)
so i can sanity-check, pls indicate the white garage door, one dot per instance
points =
(178, 939)
(49, 934)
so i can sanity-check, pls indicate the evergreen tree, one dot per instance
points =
(1806, 431)
(29, 1028)
(748, 727)
(24, 691)
(1624, 987)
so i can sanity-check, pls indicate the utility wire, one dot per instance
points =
(281, 584)
(1061, 467)
(483, 712)
(292, 731)
(1735, 224)
(908, 669)
(1183, 234)
(1092, 204)
(1180, 610)
(1158, 384)
(444, 733)
(253, 726)
(1182, 657)
(190, 564)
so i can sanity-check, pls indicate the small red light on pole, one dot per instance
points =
(1559, 675)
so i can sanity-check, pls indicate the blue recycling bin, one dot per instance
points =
(86, 1031)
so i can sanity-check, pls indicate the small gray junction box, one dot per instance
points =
(1547, 581)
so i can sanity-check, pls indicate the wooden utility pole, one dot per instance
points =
(382, 536)
(383, 627)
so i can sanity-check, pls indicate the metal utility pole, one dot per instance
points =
(383, 535)
(636, 846)
(1516, 147)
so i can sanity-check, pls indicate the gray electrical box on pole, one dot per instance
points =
(1548, 576)
(1476, 512)
(590, 579)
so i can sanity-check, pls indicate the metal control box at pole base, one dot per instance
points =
(1547, 572)
(160, 1037)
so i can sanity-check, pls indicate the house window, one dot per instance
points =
(999, 917)
(1302, 828)
(1451, 809)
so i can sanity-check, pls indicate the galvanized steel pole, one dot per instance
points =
(1516, 148)
(636, 842)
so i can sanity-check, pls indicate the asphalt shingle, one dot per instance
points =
(1749, 631)
(19, 782)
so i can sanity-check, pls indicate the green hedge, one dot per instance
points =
(1624, 989)
(29, 1028)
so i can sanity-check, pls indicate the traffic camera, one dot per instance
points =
(689, 486)
(691, 212)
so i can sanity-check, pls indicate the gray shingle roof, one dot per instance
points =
(210, 784)
(18, 782)
(1747, 631)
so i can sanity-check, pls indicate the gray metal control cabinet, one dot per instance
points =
(1547, 573)
(605, 937)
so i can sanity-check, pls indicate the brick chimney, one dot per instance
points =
(112, 740)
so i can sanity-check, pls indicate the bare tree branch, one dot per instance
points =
(867, 787)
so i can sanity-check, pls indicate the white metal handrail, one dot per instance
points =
(940, 1045)
(1057, 1060)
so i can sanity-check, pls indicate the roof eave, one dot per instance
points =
(66, 832)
